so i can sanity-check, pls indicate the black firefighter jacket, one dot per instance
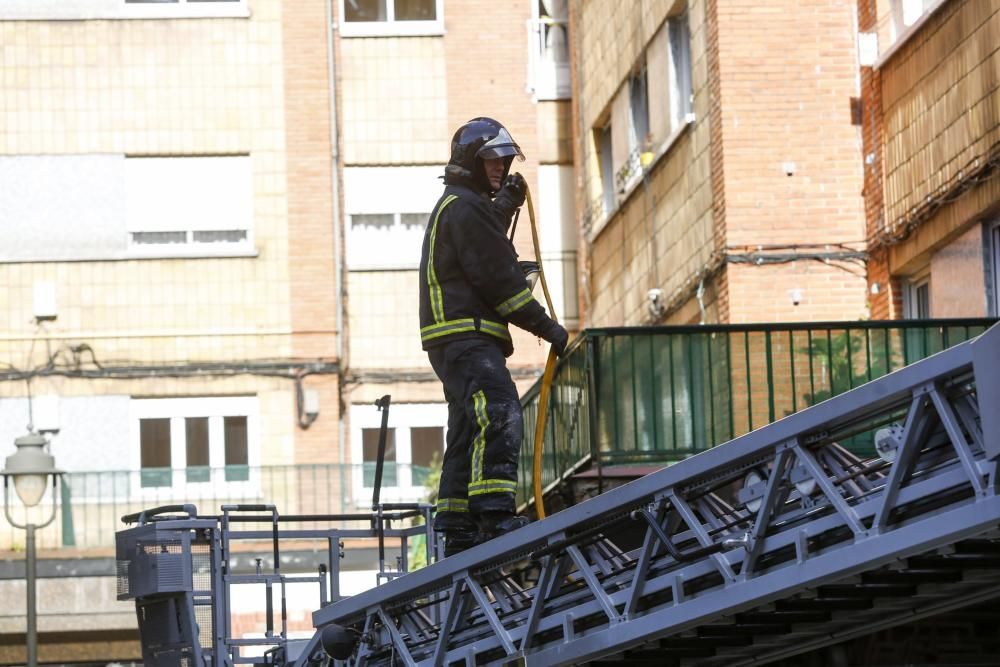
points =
(470, 282)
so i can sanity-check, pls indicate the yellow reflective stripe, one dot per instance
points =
(437, 300)
(444, 328)
(452, 505)
(494, 329)
(492, 486)
(479, 442)
(439, 329)
(519, 300)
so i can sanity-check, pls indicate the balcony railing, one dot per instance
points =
(655, 395)
(91, 504)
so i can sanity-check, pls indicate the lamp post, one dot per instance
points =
(29, 468)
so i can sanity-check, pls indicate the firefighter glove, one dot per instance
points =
(559, 338)
(515, 186)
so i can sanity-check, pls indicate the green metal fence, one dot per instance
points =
(655, 395)
(91, 504)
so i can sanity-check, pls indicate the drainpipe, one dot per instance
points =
(338, 244)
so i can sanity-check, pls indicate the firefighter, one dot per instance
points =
(471, 287)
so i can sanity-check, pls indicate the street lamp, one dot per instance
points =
(29, 468)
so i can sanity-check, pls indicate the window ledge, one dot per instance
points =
(634, 182)
(189, 252)
(392, 29)
(907, 34)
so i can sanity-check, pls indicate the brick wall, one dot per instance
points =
(311, 226)
(787, 75)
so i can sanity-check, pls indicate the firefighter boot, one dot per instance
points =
(495, 524)
(458, 540)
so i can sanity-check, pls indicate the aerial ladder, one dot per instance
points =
(776, 543)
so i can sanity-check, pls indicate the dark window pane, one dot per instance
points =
(364, 10)
(411, 221)
(220, 236)
(923, 301)
(415, 10)
(426, 444)
(158, 238)
(369, 455)
(235, 429)
(154, 452)
(372, 221)
(196, 447)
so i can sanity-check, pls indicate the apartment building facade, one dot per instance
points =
(932, 145)
(170, 308)
(719, 162)
(409, 74)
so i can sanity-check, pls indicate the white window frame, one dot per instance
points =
(388, 191)
(402, 418)
(47, 10)
(238, 222)
(911, 301)
(179, 409)
(363, 256)
(391, 27)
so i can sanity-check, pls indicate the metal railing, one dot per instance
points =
(655, 395)
(91, 503)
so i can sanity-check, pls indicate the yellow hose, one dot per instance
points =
(550, 369)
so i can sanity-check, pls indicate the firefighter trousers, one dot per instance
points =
(479, 470)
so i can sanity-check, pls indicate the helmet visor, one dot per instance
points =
(500, 146)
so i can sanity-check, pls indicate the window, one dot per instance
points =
(917, 297)
(414, 445)
(391, 17)
(388, 209)
(639, 104)
(154, 444)
(638, 131)
(199, 205)
(647, 114)
(425, 451)
(604, 153)
(99, 207)
(548, 51)
(680, 70)
(196, 448)
(206, 440)
(237, 457)
(121, 9)
(369, 443)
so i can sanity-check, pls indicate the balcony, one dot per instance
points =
(91, 504)
(651, 396)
